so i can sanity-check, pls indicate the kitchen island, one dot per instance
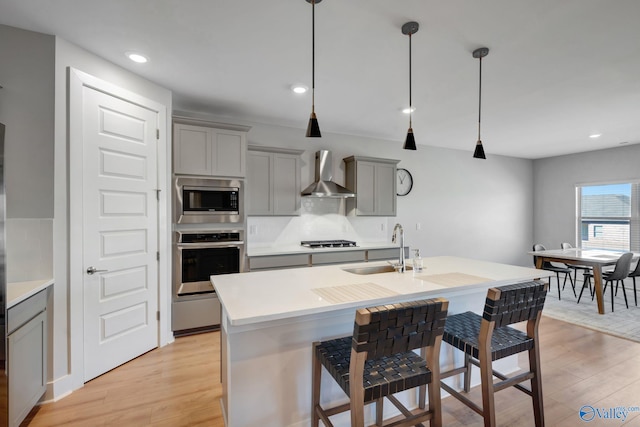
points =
(270, 319)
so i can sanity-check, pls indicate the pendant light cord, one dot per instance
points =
(479, 97)
(410, 104)
(313, 56)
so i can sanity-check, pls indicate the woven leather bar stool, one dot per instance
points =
(486, 338)
(378, 361)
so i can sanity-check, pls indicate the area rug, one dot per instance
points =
(623, 322)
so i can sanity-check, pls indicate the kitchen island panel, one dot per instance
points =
(271, 318)
(268, 368)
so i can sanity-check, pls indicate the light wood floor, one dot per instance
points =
(178, 385)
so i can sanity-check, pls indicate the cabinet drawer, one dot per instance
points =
(337, 257)
(380, 254)
(196, 313)
(21, 313)
(278, 261)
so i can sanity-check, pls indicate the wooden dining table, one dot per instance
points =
(594, 258)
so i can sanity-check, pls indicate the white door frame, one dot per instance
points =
(77, 81)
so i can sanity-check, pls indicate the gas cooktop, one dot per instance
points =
(328, 244)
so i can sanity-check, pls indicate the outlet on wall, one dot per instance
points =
(418, 226)
(253, 230)
(382, 226)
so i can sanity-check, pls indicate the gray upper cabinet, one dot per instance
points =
(203, 148)
(374, 182)
(273, 181)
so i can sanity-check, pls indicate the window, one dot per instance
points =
(609, 216)
(597, 231)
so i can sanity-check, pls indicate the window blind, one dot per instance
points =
(609, 216)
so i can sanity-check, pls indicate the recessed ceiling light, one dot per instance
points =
(137, 57)
(298, 88)
(595, 135)
(407, 110)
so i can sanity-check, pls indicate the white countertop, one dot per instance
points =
(256, 297)
(298, 249)
(20, 291)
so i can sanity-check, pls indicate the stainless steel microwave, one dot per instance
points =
(208, 201)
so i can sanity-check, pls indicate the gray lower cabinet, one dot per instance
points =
(26, 355)
(337, 257)
(374, 182)
(384, 254)
(273, 181)
(273, 262)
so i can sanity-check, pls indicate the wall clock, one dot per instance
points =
(404, 182)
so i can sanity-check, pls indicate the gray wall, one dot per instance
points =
(468, 207)
(26, 108)
(555, 178)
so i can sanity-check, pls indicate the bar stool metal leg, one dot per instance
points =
(467, 374)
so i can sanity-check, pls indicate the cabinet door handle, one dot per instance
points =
(93, 270)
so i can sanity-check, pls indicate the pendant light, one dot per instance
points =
(480, 53)
(408, 29)
(313, 130)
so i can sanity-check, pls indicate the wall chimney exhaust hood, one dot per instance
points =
(323, 185)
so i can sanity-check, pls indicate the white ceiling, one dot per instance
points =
(557, 71)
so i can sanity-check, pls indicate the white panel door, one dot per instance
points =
(120, 220)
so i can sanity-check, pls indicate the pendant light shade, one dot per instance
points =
(408, 29)
(479, 151)
(313, 129)
(480, 53)
(410, 142)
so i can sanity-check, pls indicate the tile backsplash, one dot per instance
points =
(320, 219)
(29, 249)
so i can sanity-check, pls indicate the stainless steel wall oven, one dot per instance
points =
(197, 256)
(200, 200)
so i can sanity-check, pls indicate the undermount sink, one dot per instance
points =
(375, 269)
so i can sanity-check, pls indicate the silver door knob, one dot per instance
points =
(93, 270)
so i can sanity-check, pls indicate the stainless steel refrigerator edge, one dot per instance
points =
(4, 384)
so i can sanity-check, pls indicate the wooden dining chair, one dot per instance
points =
(488, 337)
(378, 361)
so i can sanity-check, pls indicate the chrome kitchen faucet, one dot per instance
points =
(401, 267)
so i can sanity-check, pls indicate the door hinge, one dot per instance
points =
(158, 194)
(158, 315)
(157, 133)
(157, 255)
